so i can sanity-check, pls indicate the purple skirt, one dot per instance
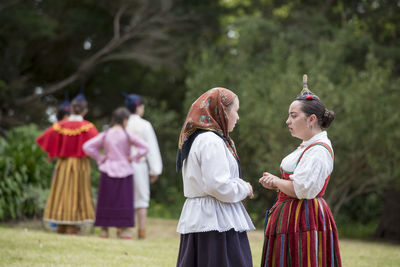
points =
(211, 249)
(115, 202)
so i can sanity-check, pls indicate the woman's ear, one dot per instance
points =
(313, 119)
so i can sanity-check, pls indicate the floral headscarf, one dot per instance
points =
(207, 113)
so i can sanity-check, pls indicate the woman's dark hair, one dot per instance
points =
(118, 117)
(132, 101)
(61, 113)
(77, 107)
(315, 106)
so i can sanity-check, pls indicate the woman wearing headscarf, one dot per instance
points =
(70, 202)
(300, 229)
(213, 223)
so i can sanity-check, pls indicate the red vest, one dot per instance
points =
(285, 175)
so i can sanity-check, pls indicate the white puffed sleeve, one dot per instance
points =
(310, 174)
(216, 174)
(153, 156)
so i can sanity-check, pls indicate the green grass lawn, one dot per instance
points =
(28, 244)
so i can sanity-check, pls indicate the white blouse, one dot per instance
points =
(143, 129)
(213, 189)
(314, 167)
(74, 117)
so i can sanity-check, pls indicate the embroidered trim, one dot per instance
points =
(283, 170)
(69, 222)
(72, 132)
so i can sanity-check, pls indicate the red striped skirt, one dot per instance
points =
(301, 232)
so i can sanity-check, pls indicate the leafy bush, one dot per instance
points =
(167, 193)
(25, 173)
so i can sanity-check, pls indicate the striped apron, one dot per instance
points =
(70, 201)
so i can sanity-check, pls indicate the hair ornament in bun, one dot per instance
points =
(305, 92)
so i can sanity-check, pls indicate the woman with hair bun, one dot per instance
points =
(300, 229)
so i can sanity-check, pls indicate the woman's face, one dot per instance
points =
(140, 110)
(298, 122)
(233, 115)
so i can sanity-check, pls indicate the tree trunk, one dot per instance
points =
(389, 227)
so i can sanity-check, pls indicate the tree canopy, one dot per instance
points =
(106, 47)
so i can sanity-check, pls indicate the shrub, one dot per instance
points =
(25, 173)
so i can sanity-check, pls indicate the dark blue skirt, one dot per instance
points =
(115, 202)
(212, 249)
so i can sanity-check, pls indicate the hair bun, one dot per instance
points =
(327, 118)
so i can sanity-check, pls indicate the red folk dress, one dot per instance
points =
(70, 200)
(301, 232)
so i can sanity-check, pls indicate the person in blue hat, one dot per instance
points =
(64, 110)
(70, 201)
(149, 167)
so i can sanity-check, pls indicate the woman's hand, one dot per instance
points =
(251, 194)
(268, 181)
(134, 158)
(153, 178)
(102, 158)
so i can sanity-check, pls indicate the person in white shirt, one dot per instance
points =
(300, 229)
(149, 167)
(213, 222)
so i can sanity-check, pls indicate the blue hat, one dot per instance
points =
(66, 106)
(80, 97)
(132, 101)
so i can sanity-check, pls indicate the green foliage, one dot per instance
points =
(25, 174)
(59, 36)
(166, 193)
(29, 22)
(264, 65)
(356, 230)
